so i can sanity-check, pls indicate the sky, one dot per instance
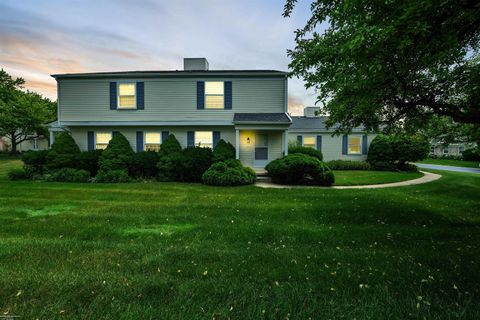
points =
(43, 37)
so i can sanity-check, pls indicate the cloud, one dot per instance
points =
(295, 106)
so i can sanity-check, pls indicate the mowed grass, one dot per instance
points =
(358, 177)
(451, 162)
(187, 251)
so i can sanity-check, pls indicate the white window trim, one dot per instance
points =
(135, 95)
(361, 144)
(205, 96)
(145, 138)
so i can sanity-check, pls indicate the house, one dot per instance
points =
(441, 149)
(310, 130)
(247, 108)
(32, 143)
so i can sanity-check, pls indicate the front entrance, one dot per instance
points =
(260, 159)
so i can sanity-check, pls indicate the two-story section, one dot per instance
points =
(247, 108)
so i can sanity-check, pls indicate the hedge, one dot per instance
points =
(228, 173)
(305, 150)
(348, 165)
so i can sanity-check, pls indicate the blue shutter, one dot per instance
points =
(216, 138)
(364, 144)
(191, 139)
(319, 143)
(200, 95)
(113, 95)
(115, 133)
(300, 141)
(228, 94)
(345, 144)
(140, 95)
(164, 135)
(139, 141)
(91, 142)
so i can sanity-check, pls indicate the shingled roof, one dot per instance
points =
(313, 124)
(274, 118)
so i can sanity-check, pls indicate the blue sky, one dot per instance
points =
(38, 38)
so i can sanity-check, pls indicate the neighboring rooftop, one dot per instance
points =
(280, 118)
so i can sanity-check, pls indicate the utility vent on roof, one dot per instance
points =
(195, 64)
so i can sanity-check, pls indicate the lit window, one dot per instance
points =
(126, 96)
(152, 141)
(309, 142)
(102, 139)
(204, 139)
(354, 145)
(214, 95)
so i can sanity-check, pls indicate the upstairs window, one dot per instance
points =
(204, 139)
(102, 139)
(152, 141)
(126, 96)
(214, 95)
(354, 145)
(310, 142)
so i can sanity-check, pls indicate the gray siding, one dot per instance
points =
(167, 99)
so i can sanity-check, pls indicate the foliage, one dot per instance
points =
(169, 158)
(35, 160)
(223, 151)
(70, 175)
(379, 62)
(118, 155)
(18, 174)
(472, 154)
(348, 165)
(193, 163)
(392, 152)
(305, 150)
(89, 161)
(144, 165)
(445, 130)
(228, 173)
(300, 168)
(64, 143)
(22, 113)
(112, 176)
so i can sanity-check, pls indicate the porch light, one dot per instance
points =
(248, 140)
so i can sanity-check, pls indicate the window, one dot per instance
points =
(261, 147)
(102, 139)
(204, 139)
(432, 149)
(35, 144)
(152, 141)
(126, 96)
(309, 142)
(461, 149)
(214, 95)
(354, 145)
(445, 150)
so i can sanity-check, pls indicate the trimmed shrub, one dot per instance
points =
(144, 164)
(228, 173)
(35, 161)
(300, 168)
(292, 149)
(70, 175)
(348, 165)
(64, 143)
(63, 153)
(18, 174)
(118, 155)
(112, 176)
(393, 152)
(223, 151)
(169, 159)
(472, 154)
(89, 161)
(193, 162)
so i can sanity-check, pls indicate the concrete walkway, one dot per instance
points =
(447, 168)
(427, 177)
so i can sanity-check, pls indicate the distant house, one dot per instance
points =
(310, 130)
(439, 149)
(32, 143)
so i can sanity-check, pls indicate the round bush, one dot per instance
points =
(348, 165)
(300, 168)
(169, 159)
(305, 150)
(223, 151)
(144, 164)
(18, 174)
(112, 176)
(64, 144)
(228, 173)
(193, 163)
(70, 175)
(118, 155)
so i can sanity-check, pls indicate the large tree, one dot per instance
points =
(388, 62)
(23, 114)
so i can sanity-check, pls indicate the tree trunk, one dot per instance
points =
(13, 140)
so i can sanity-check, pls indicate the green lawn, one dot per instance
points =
(449, 162)
(355, 178)
(188, 251)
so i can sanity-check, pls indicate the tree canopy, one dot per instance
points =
(23, 113)
(385, 63)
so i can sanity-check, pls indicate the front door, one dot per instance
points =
(260, 159)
